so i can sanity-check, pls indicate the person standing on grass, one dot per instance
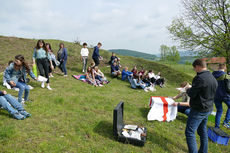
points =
(62, 58)
(96, 56)
(10, 104)
(84, 56)
(201, 95)
(221, 96)
(15, 75)
(42, 58)
(53, 59)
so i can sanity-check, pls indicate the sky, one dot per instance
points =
(118, 24)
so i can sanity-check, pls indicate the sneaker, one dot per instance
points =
(65, 75)
(146, 90)
(18, 116)
(100, 85)
(49, 88)
(31, 88)
(83, 71)
(226, 125)
(51, 76)
(43, 85)
(25, 114)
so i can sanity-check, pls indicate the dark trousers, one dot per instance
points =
(50, 70)
(43, 67)
(62, 67)
(96, 61)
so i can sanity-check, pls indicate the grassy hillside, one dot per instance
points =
(77, 117)
(126, 52)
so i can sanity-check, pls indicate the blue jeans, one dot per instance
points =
(10, 104)
(184, 109)
(218, 103)
(98, 78)
(63, 65)
(197, 121)
(22, 87)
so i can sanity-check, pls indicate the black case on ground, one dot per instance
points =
(118, 125)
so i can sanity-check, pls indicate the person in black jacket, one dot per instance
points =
(201, 95)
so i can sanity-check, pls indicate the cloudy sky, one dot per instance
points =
(128, 24)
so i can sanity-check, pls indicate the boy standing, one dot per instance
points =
(96, 56)
(84, 56)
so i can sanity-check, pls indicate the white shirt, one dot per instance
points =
(84, 52)
(151, 75)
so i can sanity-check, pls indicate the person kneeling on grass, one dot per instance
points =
(126, 75)
(183, 106)
(115, 70)
(11, 104)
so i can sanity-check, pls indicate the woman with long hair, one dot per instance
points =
(42, 58)
(15, 75)
(53, 59)
(62, 58)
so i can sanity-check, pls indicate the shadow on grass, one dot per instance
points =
(182, 118)
(4, 113)
(164, 142)
(144, 112)
(105, 129)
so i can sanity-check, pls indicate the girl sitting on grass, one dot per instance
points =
(90, 77)
(15, 75)
(99, 75)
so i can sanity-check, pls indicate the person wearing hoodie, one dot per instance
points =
(11, 104)
(221, 96)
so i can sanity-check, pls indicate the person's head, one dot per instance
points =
(135, 67)
(96, 68)
(89, 69)
(48, 46)
(92, 64)
(84, 45)
(126, 69)
(114, 63)
(11, 61)
(199, 65)
(99, 45)
(61, 45)
(150, 71)
(41, 44)
(184, 84)
(222, 66)
(113, 54)
(20, 61)
(118, 59)
(159, 73)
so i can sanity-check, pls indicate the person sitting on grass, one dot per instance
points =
(151, 76)
(112, 58)
(10, 104)
(126, 75)
(90, 77)
(183, 106)
(138, 83)
(7, 85)
(145, 79)
(15, 75)
(99, 75)
(115, 70)
(134, 71)
(141, 72)
(159, 80)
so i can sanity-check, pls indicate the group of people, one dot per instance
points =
(15, 76)
(197, 102)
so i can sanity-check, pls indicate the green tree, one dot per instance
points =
(164, 52)
(205, 26)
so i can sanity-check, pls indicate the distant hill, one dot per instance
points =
(126, 52)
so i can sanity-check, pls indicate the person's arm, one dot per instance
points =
(177, 96)
(197, 85)
(32, 75)
(97, 52)
(181, 104)
(7, 73)
(66, 53)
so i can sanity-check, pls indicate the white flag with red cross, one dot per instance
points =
(162, 109)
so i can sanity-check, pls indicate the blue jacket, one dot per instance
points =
(96, 52)
(125, 74)
(1, 93)
(221, 91)
(11, 74)
(64, 55)
(114, 68)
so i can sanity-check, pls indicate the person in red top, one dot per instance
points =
(134, 71)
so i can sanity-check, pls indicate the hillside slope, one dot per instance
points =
(77, 117)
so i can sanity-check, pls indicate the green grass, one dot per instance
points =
(77, 117)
